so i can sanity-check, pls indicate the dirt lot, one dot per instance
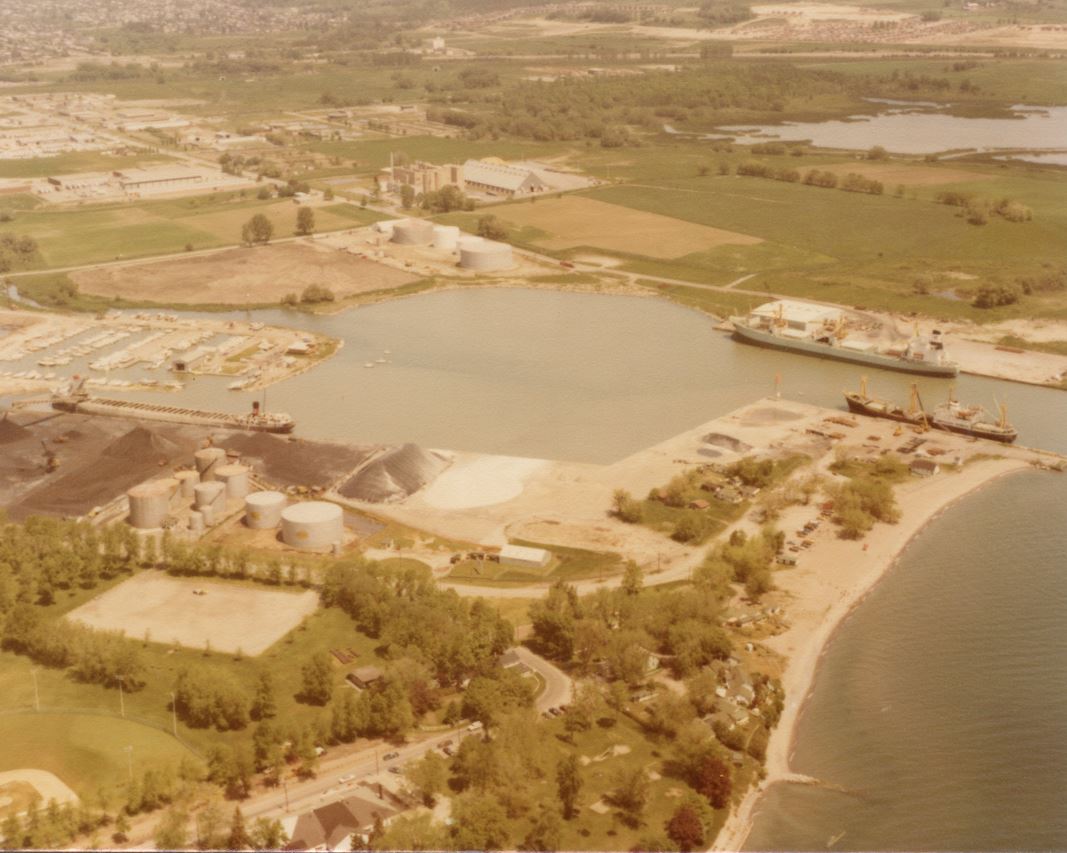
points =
(231, 617)
(239, 276)
(18, 787)
(892, 174)
(576, 221)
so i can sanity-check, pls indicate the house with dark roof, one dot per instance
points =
(364, 676)
(331, 827)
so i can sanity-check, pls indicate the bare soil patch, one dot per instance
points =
(576, 221)
(240, 276)
(19, 787)
(231, 617)
(892, 174)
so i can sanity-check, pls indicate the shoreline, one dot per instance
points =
(815, 626)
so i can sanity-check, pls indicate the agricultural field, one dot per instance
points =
(581, 221)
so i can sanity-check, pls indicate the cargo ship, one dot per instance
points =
(78, 401)
(819, 330)
(951, 416)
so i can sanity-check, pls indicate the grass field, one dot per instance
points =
(86, 751)
(109, 232)
(75, 161)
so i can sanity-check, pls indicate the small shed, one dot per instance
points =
(925, 467)
(520, 555)
(700, 503)
(364, 676)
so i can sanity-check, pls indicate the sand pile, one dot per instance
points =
(395, 475)
(726, 442)
(296, 463)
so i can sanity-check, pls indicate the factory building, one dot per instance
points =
(494, 177)
(423, 177)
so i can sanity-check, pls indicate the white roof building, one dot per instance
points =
(498, 178)
(520, 555)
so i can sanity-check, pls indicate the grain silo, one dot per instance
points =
(150, 503)
(235, 478)
(312, 526)
(469, 241)
(263, 510)
(207, 460)
(187, 481)
(211, 495)
(413, 232)
(196, 521)
(445, 237)
(486, 256)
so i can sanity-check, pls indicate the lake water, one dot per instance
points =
(562, 376)
(940, 704)
(920, 130)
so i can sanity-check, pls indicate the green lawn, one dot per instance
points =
(75, 161)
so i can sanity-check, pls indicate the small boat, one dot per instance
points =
(380, 361)
(369, 364)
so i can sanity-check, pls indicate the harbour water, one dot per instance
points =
(939, 705)
(562, 376)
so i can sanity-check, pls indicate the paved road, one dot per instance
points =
(559, 688)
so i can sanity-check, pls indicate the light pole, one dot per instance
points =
(36, 694)
(122, 699)
(174, 712)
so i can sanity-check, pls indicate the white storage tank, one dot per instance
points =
(413, 232)
(312, 526)
(486, 257)
(207, 460)
(445, 237)
(235, 478)
(263, 510)
(386, 227)
(187, 480)
(150, 503)
(196, 521)
(211, 494)
(469, 241)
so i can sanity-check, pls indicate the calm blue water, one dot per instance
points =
(941, 703)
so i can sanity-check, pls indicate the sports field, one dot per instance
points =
(229, 617)
(241, 276)
(18, 787)
(578, 221)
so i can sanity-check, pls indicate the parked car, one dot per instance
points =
(389, 756)
(394, 769)
(348, 777)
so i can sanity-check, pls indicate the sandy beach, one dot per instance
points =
(841, 573)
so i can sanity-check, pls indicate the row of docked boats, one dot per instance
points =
(951, 416)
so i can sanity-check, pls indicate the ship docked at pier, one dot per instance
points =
(951, 416)
(821, 330)
(78, 400)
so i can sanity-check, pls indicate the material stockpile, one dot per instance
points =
(727, 442)
(296, 463)
(395, 475)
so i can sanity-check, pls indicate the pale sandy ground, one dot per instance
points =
(231, 617)
(833, 577)
(974, 347)
(48, 785)
(481, 481)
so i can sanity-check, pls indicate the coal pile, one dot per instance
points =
(12, 432)
(395, 475)
(296, 463)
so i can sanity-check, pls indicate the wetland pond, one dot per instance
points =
(920, 128)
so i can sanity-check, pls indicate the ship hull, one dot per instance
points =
(1002, 437)
(858, 406)
(172, 414)
(812, 348)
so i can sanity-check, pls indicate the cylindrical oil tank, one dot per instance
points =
(150, 503)
(469, 241)
(235, 477)
(207, 512)
(187, 479)
(312, 526)
(263, 510)
(386, 227)
(486, 257)
(445, 237)
(207, 460)
(196, 521)
(413, 232)
(209, 494)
